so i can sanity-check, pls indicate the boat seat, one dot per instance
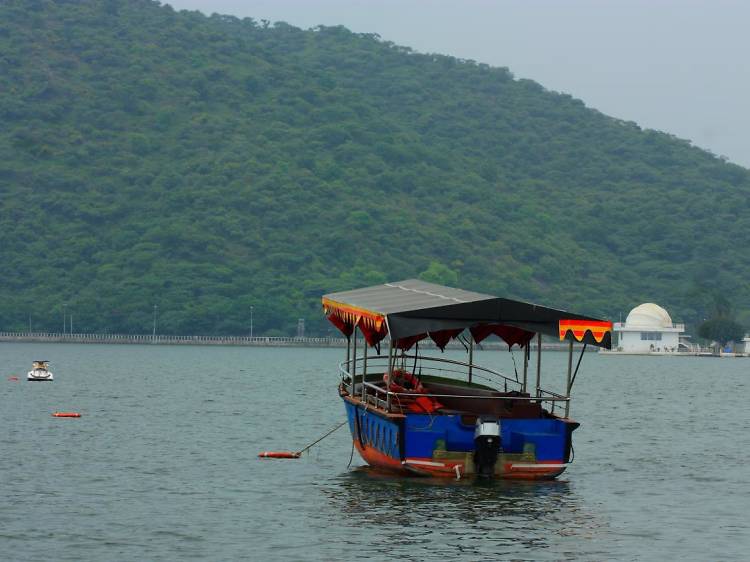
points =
(485, 403)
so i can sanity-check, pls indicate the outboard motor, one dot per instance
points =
(486, 445)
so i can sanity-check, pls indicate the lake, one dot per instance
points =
(163, 464)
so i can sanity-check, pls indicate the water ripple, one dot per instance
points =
(163, 465)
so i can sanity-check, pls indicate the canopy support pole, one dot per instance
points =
(526, 350)
(471, 357)
(354, 361)
(390, 367)
(364, 373)
(348, 351)
(570, 374)
(388, 378)
(575, 373)
(538, 365)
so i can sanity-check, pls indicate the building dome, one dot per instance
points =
(649, 315)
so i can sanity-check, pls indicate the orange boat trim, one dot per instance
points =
(429, 467)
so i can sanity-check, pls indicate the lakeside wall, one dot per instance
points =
(256, 341)
(53, 337)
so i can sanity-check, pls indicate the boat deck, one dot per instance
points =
(445, 383)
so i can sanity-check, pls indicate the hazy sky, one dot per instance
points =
(680, 66)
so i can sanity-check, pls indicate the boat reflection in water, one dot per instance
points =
(469, 518)
(414, 414)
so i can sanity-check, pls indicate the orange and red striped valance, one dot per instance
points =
(346, 317)
(578, 328)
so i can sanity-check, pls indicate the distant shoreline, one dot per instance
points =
(127, 339)
(247, 341)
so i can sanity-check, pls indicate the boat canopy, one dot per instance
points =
(412, 310)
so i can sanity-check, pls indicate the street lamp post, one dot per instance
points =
(251, 322)
(153, 334)
(65, 305)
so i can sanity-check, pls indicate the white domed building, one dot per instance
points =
(648, 329)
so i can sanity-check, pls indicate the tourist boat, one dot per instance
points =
(414, 413)
(40, 372)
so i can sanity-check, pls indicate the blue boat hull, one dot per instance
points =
(443, 444)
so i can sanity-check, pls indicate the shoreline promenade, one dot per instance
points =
(130, 339)
(256, 341)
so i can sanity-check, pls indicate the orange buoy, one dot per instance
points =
(13, 379)
(279, 455)
(297, 454)
(66, 415)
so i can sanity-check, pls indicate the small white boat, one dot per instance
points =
(40, 372)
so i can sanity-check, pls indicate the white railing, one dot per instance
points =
(637, 328)
(166, 339)
(378, 395)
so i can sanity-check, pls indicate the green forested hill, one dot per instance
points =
(210, 164)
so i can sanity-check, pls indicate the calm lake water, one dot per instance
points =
(162, 465)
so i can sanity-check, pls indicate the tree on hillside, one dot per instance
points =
(721, 326)
(209, 164)
(721, 330)
(440, 274)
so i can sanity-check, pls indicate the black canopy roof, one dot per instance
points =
(414, 307)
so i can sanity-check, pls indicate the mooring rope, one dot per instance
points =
(351, 456)
(321, 439)
(297, 454)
